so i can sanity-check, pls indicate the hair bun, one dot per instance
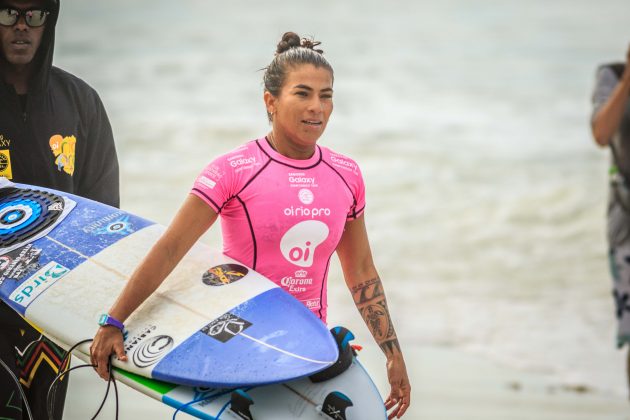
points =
(289, 40)
(292, 40)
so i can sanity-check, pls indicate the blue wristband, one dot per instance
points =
(107, 319)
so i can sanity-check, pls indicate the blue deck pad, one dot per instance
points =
(91, 228)
(26, 263)
(246, 362)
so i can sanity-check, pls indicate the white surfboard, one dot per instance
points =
(213, 322)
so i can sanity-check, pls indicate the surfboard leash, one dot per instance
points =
(209, 398)
(52, 390)
(202, 399)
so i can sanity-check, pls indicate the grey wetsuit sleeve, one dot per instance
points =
(606, 81)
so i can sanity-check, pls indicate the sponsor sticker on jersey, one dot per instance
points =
(343, 163)
(64, 151)
(299, 243)
(312, 304)
(204, 180)
(5, 164)
(301, 180)
(306, 196)
(35, 285)
(298, 283)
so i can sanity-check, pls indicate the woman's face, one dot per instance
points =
(301, 111)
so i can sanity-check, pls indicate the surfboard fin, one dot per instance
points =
(239, 404)
(335, 405)
(342, 336)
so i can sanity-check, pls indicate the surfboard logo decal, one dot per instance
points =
(150, 351)
(226, 327)
(18, 263)
(35, 285)
(223, 274)
(121, 226)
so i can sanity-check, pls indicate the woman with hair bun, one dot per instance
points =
(286, 205)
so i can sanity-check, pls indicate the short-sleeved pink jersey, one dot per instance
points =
(284, 217)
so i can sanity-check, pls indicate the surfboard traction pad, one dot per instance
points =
(15, 204)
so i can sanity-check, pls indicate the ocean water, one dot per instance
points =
(470, 120)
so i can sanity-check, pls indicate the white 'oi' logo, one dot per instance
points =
(299, 243)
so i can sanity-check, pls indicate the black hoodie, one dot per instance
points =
(62, 139)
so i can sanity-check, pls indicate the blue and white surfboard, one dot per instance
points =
(213, 322)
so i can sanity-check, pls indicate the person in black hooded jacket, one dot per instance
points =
(54, 132)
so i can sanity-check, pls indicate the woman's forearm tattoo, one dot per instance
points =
(370, 300)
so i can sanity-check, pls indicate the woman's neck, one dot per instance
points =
(290, 149)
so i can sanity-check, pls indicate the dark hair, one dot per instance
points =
(291, 52)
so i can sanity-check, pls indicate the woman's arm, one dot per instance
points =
(193, 219)
(369, 297)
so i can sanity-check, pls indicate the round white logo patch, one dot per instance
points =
(306, 196)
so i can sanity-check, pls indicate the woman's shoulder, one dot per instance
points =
(246, 154)
(339, 161)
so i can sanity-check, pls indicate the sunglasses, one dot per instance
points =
(33, 17)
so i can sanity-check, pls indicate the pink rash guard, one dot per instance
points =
(284, 217)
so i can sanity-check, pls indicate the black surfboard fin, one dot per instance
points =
(342, 337)
(335, 405)
(239, 404)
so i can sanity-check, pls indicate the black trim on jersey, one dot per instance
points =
(356, 212)
(251, 230)
(252, 179)
(209, 199)
(321, 158)
(354, 198)
(321, 290)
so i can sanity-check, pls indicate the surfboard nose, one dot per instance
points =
(268, 339)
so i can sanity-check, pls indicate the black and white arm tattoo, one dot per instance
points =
(369, 297)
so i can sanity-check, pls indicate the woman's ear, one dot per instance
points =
(270, 102)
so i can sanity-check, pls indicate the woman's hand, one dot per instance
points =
(400, 395)
(108, 340)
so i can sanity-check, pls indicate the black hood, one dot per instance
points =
(42, 62)
(44, 57)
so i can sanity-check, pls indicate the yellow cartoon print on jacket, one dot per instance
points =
(64, 150)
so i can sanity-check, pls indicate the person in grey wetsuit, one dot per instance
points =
(610, 124)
